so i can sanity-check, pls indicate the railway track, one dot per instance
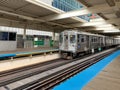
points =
(62, 75)
(18, 74)
(10, 76)
(51, 79)
(16, 70)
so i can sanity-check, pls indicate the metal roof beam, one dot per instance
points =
(102, 28)
(31, 18)
(96, 23)
(51, 8)
(93, 9)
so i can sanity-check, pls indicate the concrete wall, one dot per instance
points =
(28, 44)
(8, 45)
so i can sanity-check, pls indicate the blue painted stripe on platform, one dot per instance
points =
(22, 53)
(78, 81)
(7, 55)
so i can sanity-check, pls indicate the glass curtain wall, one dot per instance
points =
(69, 5)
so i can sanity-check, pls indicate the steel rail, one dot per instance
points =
(30, 68)
(47, 81)
(56, 78)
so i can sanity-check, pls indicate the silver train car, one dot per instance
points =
(72, 43)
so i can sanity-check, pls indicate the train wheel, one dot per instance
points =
(69, 57)
(74, 55)
(64, 55)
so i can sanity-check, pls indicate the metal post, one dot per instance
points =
(53, 39)
(53, 35)
(11, 58)
(24, 33)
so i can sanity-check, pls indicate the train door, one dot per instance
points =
(78, 41)
(103, 42)
(87, 42)
(61, 43)
(90, 42)
(72, 43)
(92, 45)
(83, 46)
(66, 42)
(99, 41)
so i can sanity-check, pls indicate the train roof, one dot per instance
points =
(85, 33)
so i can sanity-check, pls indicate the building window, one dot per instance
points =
(3, 35)
(12, 36)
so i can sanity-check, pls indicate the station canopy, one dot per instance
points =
(97, 16)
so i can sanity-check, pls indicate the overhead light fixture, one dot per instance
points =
(97, 19)
(105, 25)
(113, 30)
(118, 37)
(106, 28)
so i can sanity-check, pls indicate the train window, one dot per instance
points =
(72, 38)
(78, 37)
(82, 39)
(3, 35)
(96, 39)
(92, 39)
(66, 37)
(61, 38)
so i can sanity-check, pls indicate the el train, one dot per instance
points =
(73, 43)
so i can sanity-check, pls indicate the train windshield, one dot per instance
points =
(61, 38)
(66, 37)
(72, 38)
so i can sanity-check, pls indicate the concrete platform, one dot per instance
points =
(26, 61)
(80, 80)
(44, 54)
(26, 50)
(108, 79)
